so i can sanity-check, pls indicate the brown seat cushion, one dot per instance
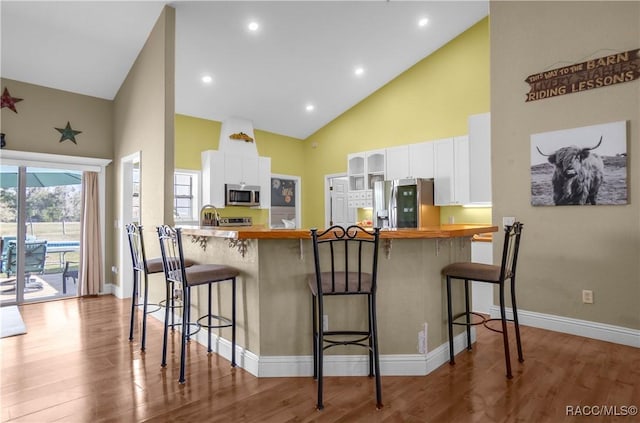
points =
(154, 265)
(474, 271)
(205, 273)
(352, 279)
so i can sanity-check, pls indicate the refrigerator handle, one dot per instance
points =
(393, 222)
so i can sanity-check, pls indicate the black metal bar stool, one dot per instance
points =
(346, 263)
(194, 276)
(144, 267)
(493, 274)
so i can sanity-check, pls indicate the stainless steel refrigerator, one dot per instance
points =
(404, 203)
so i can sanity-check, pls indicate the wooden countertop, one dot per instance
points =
(260, 232)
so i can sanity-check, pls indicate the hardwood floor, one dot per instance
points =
(75, 364)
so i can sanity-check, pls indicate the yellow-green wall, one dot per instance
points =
(431, 100)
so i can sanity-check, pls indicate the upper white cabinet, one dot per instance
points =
(241, 170)
(480, 166)
(451, 171)
(213, 170)
(410, 161)
(421, 160)
(219, 168)
(363, 170)
(397, 166)
(375, 167)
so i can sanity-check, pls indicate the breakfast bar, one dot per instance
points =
(274, 322)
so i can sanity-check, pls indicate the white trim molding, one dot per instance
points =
(334, 365)
(588, 329)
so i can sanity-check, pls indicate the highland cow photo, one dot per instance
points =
(580, 166)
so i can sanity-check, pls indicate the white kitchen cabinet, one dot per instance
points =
(375, 162)
(241, 170)
(421, 160)
(397, 164)
(410, 161)
(219, 168)
(264, 170)
(355, 171)
(451, 171)
(480, 152)
(363, 169)
(213, 166)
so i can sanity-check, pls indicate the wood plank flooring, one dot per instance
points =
(75, 364)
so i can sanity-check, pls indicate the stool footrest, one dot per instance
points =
(497, 319)
(481, 322)
(225, 322)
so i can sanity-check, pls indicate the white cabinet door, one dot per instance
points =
(241, 170)
(451, 171)
(480, 158)
(355, 171)
(264, 168)
(421, 160)
(397, 165)
(232, 169)
(213, 164)
(443, 172)
(461, 170)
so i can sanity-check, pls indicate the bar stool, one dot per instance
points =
(493, 274)
(346, 264)
(144, 267)
(188, 277)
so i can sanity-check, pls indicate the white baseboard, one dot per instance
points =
(334, 365)
(595, 330)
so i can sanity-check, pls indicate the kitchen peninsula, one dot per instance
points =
(274, 319)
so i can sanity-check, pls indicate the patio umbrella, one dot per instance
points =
(37, 177)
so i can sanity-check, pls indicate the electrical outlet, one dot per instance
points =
(114, 269)
(587, 296)
(325, 322)
(508, 221)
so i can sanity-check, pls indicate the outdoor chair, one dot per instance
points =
(69, 272)
(35, 254)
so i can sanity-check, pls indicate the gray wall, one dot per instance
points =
(569, 248)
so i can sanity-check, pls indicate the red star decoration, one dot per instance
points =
(8, 101)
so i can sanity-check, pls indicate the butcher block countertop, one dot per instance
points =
(261, 232)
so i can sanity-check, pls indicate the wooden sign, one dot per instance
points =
(596, 73)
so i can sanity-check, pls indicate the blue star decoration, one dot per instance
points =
(68, 133)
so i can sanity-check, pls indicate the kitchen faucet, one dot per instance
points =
(209, 217)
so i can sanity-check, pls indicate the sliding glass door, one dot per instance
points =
(40, 229)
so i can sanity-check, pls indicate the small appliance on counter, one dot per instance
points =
(404, 203)
(235, 221)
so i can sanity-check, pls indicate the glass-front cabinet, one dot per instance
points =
(364, 169)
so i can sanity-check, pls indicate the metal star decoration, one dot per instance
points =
(68, 133)
(8, 101)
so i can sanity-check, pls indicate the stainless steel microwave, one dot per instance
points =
(242, 195)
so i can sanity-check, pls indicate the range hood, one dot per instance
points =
(237, 137)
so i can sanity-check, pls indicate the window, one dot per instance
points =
(186, 195)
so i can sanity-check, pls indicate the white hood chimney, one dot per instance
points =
(237, 137)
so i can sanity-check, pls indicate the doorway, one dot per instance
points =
(285, 211)
(130, 212)
(40, 233)
(337, 211)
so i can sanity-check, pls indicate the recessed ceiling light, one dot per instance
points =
(253, 26)
(310, 107)
(207, 79)
(423, 22)
(359, 71)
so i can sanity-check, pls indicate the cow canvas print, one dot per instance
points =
(580, 166)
